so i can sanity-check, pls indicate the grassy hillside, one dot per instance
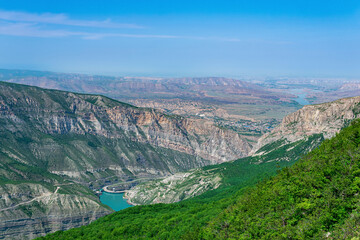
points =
(226, 177)
(183, 220)
(315, 198)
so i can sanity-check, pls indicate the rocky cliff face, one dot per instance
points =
(96, 124)
(175, 188)
(299, 133)
(50, 141)
(225, 101)
(327, 119)
(29, 210)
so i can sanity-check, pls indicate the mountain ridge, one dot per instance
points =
(299, 133)
(316, 198)
(326, 118)
(81, 142)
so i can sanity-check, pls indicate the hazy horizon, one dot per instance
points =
(244, 77)
(183, 39)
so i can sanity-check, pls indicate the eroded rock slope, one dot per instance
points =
(55, 146)
(299, 133)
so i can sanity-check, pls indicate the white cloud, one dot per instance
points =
(60, 19)
(13, 23)
(102, 35)
(33, 30)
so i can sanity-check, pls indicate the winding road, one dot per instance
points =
(27, 202)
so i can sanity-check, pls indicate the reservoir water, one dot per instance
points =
(114, 200)
(301, 94)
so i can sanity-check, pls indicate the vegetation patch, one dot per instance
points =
(316, 197)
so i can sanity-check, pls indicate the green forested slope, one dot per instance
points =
(315, 198)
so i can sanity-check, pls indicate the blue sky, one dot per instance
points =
(183, 38)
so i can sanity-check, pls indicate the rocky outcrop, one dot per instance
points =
(140, 140)
(327, 119)
(299, 133)
(194, 137)
(222, 100)
(175, 188)
(30, 210)
(53, 141)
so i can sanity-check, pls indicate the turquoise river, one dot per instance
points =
(114, 200)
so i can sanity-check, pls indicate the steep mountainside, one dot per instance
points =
(29, 209)
(239, 105)
(52, 141)
(88, 136)
(317, 198)
(299, 133)
(326, 118)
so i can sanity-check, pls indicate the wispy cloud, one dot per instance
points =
(124, 35)
(24, 24)
(14, 23)
(60, 19)
(33, 30)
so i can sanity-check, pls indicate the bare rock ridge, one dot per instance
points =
(327, 119)
(58, 113)
(305, 128)
(174, 188)
(29, 210)
(133, 87)
(55, 146)
(222, 100)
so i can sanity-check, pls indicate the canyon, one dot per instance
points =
(57, 148)
(181, 140)
(299, 133)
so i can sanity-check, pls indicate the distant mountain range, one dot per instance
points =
(245, 107)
